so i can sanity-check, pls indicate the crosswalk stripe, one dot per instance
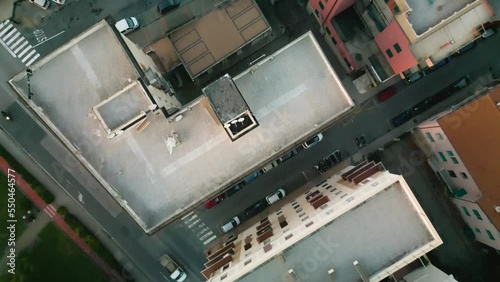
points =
(4, 23)
(32, 60)
(194, 223)
(28, 56)
(21, 47)
(17, 43)
(210, 240)
(24, 51)
(187, 215)
(9, 34)
(5, 30)
(13, 38)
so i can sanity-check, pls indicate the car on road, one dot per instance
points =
(423, 105)
(215, 201)
(230, 224)
(287, 156)
(313, 141)
(231, 191)
(386, 94)
(127, 25)
(460, 83)
(416, 76)
(166, 6)
(275, 196)
(44, 4)
(402, 118)
(176, 272)
(256, 208)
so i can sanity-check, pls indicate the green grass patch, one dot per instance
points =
(39, 189)
(22, 205)
(54, 257)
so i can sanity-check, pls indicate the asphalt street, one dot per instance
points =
(179, 239)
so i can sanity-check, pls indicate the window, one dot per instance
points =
(439, 136)
(450, 153)
(321, 5)
(327, 30)
(490, 235)
(334, 41)
(443, 158)
(464, 175)
(454, 160)
(389, 53)
(452, 173)
(477, 230)
(466, 212)
(317, 13)
(397, 47)
(429, 136)
(476, 213)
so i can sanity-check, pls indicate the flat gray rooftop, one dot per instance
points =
(428, 13)
(376, 233)
(290, 94)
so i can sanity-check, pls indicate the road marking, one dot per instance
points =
(21, 47)
(209, 240)
(52, 37)
(33, 51)
(4, 23)
(17, 42)
(189, 214)
(9, 34)
(194, 223)
(24, 51)
(206, 235)
(6, 29)
(13, 38)
(80, 198)
(32, 60)
(50, 210)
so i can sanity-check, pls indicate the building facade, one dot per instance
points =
(461, 146)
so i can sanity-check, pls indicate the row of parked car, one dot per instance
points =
(329, 161)
(254, 209)
(428, 102)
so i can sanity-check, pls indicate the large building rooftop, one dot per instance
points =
(377, 223)
(291, 93)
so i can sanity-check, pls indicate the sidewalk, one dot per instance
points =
(59, 221)
(6, 7)
(28, 237)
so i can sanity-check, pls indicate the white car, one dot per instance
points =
(313, 141)
(126, 25)
(270, 166)
(44, 4)
(230, 224)
(275, 196)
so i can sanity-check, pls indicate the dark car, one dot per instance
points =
(386, 94)
(229, 192)
(256, 208)
(402, 118)
(460, 83)
(166, 6)
(416, 76)
(215, 201)
(424, 105)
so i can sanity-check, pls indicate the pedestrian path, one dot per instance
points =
(59, 221)
(199, 228)
(16, 44)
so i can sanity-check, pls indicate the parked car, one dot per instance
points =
(416, 76)
(230, 224)
(466, 48)
(287, 156)
(386, 94)
(215, 201)
(275, 196)
(270, 166)
(127, 25)
(423, 105)
(44, 4)
(229, 192)
(166, 6)
(460, 83)
(252, 176)
(255, 208)
(176, 272)
(402, 118)
(313, 141)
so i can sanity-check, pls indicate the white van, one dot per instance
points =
(230, 224)
(44, 4)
